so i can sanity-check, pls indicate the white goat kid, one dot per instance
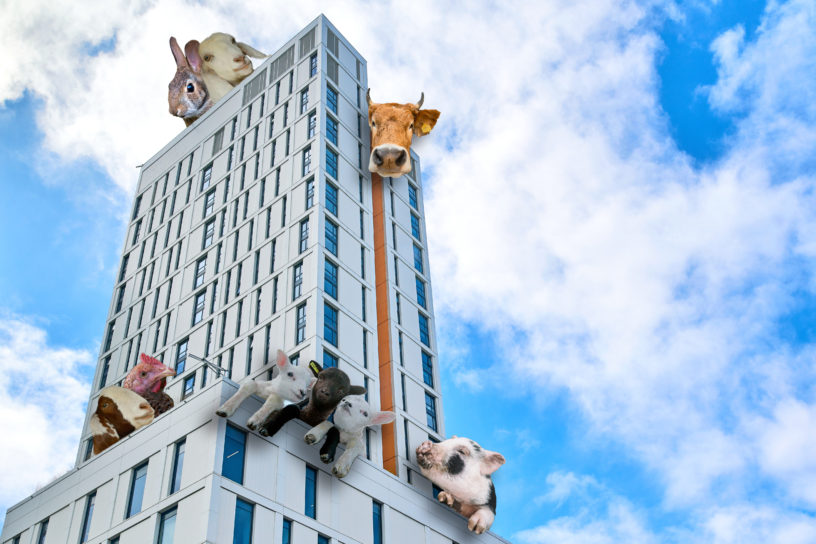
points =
(351, 417)
(225, 63)
(292, 383)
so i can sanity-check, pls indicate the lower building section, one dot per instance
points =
(192, 477)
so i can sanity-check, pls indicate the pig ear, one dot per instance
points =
(357, 390)
(283, 359)
(491, 462)
(380, 418)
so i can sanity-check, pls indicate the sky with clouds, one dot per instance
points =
(621, 208)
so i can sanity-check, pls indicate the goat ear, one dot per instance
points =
(283, 359)
(251, 51)
(315, 367)
(491, 462)
(381, 418)
(357, 390)
(424, 121)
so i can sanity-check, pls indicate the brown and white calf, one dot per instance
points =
(119, 412)
(392, 128)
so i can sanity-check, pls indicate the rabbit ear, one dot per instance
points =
(178, 54)
(193, 58)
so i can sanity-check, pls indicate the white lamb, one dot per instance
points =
(292, 384)
(225, 63)
(351, 417)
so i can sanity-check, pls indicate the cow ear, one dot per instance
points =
(491, 462)
(424, 121)
(357, 390)
(380, 418)
(283, 359)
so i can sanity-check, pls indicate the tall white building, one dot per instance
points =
(257, 228)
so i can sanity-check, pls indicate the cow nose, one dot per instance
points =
(401, 158)
(378, 160)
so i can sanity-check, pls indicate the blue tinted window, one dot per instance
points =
(331, 163)
(377, 519)
(242, 531)
(167, 526)
(418, 259)
(412, 196)
(287, 532)
(310, 508)
(430, 410)
(178, 465)
(181, 356)
(427, 369)
(232, 466)
(329, 360)
(137, 485)
(300, 324)
(424, 331)
(420, 291)
(304, 235)
(330, 324)
(330, 281)
(322, 539)
(331, 99)
(331, 198)
(86, 519)
(415, 227)
(331, 130)
(331, 237)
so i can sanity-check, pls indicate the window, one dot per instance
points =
(109, 336)
(430, 411)
(304, 235)
(309, 193)
(86, 518)
(331, 198)
(331, 237)
(312, 125)
(178, 465)
(137, 484)
(331, 130)
(201, 268)
(300, 324)
(89, 443)
(377, 519)
(285, 113)
(181, 356)
(209, 203)
(105, 367)
(206, 176)
(404, 393)
(304, 100)
(435, 489)
(136, 230)
(238, 318)
(242, 532)
(310, 507)
(424, 332)
(329, 360)
(420, 292)
(307, 160)
(136, 207)
(322, 539)
(43, 531)
(313, 65)
(114, 540)
(283, 211)
(209, 234)
(399, 309)
(167, 526)
(123, 268)
(232, 466)
(415, 227)
(331, 99)
(297, 280)
(330, 324)
(287, 532)
(331, 163)
(330, 279)
(198, 306)
(412, 196)
(427, 369)
(418, 259)
(189, 386)
(363, 302)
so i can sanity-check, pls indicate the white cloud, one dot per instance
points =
(43, 393)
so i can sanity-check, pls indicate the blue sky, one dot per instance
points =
(622, 229)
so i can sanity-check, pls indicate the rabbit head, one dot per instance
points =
(187, 94)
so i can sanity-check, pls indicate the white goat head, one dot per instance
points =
(353, 414)
(227, 58)
(295, 381)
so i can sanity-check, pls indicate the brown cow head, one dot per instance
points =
(392, 126)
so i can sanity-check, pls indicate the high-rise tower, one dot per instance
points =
(259, 228)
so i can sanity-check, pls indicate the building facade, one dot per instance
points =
(260, 228)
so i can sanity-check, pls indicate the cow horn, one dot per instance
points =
(368, 97)
(421, 100)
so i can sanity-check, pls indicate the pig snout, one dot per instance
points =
(424, 454)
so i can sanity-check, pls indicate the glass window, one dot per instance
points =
(420, 292)
(198, 306)
(331, 198)
(312, 125)
(232, 466)
(287, 532)
(377, 519)
(331, 130)
(304, 100)
(331, 99)
(300, 324)
(105, 367)
(310, 506)
(304, 235)
(331, 237)
(209, 234)
(331, 163)
(297, 280)
(86, 518)
(330, 279)
(307, 160)
(242, 532)
(201, 268)
(167, 526)
(418, 259)
(206, 176)
(415, 227)
(427, 369)
(189, 386)
(313, 65)
(330, 324)
(329, 360)
(43, 531)
(322, 539)
(181, 356)
(137, 484)
(209, 203)
(178, 466)
(309, 193)
(430, 411)
(412, 196)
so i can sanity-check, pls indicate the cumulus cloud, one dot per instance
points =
(43, 393)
